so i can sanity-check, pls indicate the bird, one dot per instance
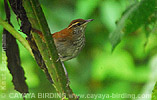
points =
(69, 41)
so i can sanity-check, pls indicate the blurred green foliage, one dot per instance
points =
(154, 95)
(131, 19)
(130, 69)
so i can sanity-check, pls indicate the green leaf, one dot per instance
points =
(135, 16)
(154, 94)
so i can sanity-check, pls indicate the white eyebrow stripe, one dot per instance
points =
(73, 25)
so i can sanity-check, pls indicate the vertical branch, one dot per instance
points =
(18, 9)
(47, 49)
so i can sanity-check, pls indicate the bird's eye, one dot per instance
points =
(78, 24)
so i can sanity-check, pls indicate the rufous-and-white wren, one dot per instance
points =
(70, 40)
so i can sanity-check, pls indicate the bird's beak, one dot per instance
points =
(89, 20)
